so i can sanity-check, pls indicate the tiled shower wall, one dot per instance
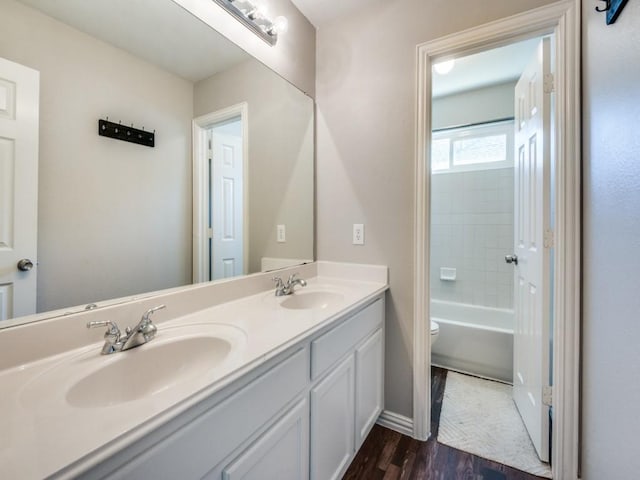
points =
(472, 231)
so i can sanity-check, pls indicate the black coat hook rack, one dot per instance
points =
(127, 134)
(613, 9)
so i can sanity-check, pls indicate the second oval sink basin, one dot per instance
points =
(314, 299)
(147, 371)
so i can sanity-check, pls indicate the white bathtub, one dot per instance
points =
(474, 339)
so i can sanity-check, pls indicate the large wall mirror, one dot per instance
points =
(117, 219)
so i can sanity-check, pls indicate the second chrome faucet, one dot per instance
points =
(283, 288)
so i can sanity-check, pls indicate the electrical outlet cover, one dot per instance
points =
(358, 234)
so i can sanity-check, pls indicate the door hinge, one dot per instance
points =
(547, 395)
(548, 238)
(210, 232)
(549, 83)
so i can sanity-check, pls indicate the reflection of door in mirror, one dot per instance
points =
(226, 209)
(220, 194)
(19, 111)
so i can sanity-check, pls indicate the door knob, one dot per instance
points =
(25, 265)
(511, 259)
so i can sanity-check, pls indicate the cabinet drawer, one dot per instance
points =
(333, 345)
(196, 448)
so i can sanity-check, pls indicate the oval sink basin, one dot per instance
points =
(180, 360)
(141, 371)
(308, 300)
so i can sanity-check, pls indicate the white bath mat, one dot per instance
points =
(478, 416)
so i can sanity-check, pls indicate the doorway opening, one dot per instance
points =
(491, 205)
(220, 194)
(458, 149)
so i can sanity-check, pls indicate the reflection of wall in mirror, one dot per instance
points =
(280, 156)
(293, 57)
(114, 217)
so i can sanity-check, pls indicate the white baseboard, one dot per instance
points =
(396, 422)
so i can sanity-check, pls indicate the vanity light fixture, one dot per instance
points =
(254, 15)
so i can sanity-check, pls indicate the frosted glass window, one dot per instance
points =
(440, 152)
(477, 147)
(492, 148)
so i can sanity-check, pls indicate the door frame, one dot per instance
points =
(563, 20)
(200, 126)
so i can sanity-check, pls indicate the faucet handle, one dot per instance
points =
(279, 282)
(147, 314)
(112, 333)
(146, 326)
(292, 278)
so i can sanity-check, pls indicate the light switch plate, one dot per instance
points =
(358, 234)
(281, 234)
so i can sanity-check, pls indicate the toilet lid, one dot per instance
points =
(434, 328)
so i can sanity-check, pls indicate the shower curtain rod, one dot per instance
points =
(477, 124)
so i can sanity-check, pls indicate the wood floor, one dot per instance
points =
(389, 455)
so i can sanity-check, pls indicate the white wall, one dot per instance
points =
(611, 282)
(472, 231)
(365, 95)
(108, 210)
(280, 156)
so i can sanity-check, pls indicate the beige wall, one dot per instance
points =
(365, 95)
(611, 196)
(280, 156)
(108, 210)
(293, 56)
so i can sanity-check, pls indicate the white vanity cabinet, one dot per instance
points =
(281, 453)
(369, 358)
(301, 415)
(346, 402)
(333, 422)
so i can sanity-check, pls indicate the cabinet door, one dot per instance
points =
(332, 422)
(282, 452)
(369, 384)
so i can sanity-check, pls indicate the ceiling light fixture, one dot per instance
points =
(255, 16)
(444, 67)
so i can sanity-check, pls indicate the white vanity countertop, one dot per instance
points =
(42, 433)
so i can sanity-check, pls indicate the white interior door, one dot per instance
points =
(531, 220)
(226, 205)
(19, 112)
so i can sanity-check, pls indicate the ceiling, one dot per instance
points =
(159, 31)
(319, 12)
(135, 30)
(486, 68)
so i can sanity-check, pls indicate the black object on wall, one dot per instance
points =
(613, 9)
(128, 134)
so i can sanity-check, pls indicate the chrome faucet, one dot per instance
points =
(287, 288)
(142, 333)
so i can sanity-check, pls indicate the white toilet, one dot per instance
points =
(435, 329)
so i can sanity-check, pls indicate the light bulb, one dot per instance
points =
(444, 67)
(280, 25)
(261, 11)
